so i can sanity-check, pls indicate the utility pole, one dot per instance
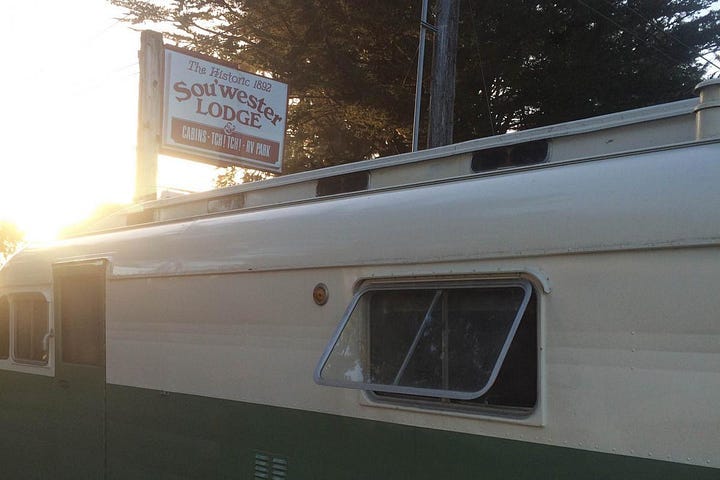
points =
(150, 106)
(442, 90)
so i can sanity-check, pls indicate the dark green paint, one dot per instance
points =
(156, 435)
(28, 426)
(48, 430)
(170, 436)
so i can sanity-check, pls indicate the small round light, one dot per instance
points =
(320, 294)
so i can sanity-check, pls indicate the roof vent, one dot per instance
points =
(141, 217)
(517, 155)
(224, 204)
(350, 182)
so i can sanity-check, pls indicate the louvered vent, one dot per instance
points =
(349, 182)
(270, 467)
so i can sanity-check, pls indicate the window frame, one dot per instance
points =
(369, 388)
(12, 299)
(93, 271)
(5, 349)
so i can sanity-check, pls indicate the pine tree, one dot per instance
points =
(350, 66)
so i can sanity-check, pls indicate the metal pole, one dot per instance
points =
(424, 27)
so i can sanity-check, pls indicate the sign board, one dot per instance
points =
(218, 114)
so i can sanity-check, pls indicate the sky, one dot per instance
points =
(69, 81)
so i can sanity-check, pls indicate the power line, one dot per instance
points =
(78, 46)
(482, 70)
(631, 31)
(104, 82)
(657, 27)
(105, 30)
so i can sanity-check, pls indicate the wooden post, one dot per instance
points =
(150, 109)
(442, 90)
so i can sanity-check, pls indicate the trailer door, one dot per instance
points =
(80, 369)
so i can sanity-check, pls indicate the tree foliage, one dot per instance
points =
(10, 239)
(546, 62)
(227, 176)
(351, 65)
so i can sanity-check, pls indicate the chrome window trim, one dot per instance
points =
(524, 284)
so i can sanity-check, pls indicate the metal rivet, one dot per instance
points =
(320, 294)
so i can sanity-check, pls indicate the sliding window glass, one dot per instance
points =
(4, 328)
(30, 314)
(438, 343)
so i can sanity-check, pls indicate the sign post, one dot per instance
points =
(200, 108)
(149, 115)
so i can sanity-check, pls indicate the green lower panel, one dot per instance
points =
(50, 429)
(28, 427)
(170, 436)
(153, 435)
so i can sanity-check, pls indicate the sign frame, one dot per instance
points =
(222, 131)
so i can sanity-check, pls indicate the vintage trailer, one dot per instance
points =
(537, 305)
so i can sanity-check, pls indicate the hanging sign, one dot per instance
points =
(218, 114)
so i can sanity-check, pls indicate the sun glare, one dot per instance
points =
(69, 128)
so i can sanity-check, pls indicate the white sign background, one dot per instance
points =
(218, 114)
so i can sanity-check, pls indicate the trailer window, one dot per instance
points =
(4, 328)
(30, 315)
(445, 342)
